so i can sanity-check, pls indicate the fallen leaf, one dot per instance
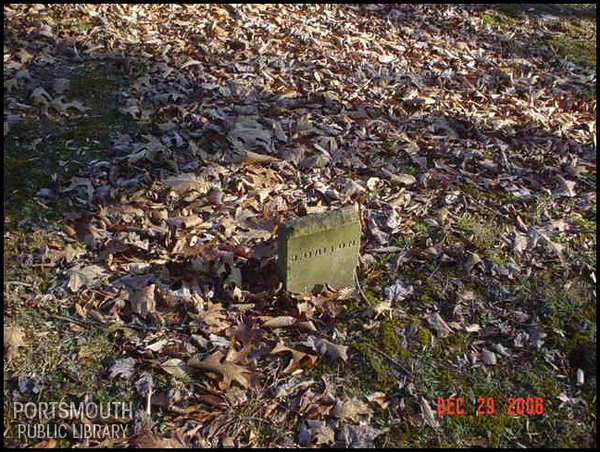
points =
(299, 359)
(143, 300)
(148, 440)
(122, 368)
(176, 367)
(187, 182)
(14, 337)
(379, 398)
(351, 409)
(397, 291)
(428, 414)
(40, 96)
(315, 432)
(381, 307)
(63, 107)
(229, 371)
(488, 357)
(436, 322)
(85, 276)
(384, 59)
(315, 161)
(360, 436)
(250, 157)
(48, 444)
(280, 322)
(324, 347)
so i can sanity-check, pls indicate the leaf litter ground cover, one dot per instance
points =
(152, 151)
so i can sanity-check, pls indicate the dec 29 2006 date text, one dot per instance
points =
(488, 406)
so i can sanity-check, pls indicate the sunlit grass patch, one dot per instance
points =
(578, 52)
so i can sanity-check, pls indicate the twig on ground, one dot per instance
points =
(392, 360)
(360, 291)
(79, 321)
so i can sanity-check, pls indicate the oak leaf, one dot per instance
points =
(229, 371)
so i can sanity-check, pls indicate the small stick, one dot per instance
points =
(79, 322)
(392, 360)
(148, 399)
(360, 291)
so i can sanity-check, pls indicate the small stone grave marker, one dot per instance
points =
(318, 249)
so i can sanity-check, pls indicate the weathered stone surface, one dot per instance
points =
(318, 249)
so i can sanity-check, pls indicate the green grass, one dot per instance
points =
(579, 52)
(28, 168)
(571, 36)
(465, 224)
(509, 10)
(421, 229)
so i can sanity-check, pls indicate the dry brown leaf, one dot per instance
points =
(14, 337)
(428, 415)
(40, 96)
(230, 372)
(323, 346)
(148, 440)
(488, 357)
(299, 359)
(280, 322)
(379, 398)
(63, 107)
(436, 322)
(176, 367)
(250, 157)
(351, 410)
(187, 182)
(48, 444)
(315, 432)
(122, 368)
(85, 276)
(143, 300)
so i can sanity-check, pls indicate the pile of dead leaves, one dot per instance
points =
(261, 113)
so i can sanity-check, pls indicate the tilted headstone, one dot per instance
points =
(318, 249)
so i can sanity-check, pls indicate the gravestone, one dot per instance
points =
(318, 249)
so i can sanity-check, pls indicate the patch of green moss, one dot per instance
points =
(582, 53)
(491, 428)
(421, 229)
(491, 19)
(508, 9)
(27, 167)
(510, 198)
(457, 341)
(371, 297)
(564, 305)
(20, 251)
(387, 340)
(589, 95)
(496, 257)
(353, 306)
(387, 145)
(465, 224)
(404, 241)
(385, 380)
(423, 336)
(323, 366)
(451, 271)
(390, 341)
(584, 223)
(410, 169)
(426, 299)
